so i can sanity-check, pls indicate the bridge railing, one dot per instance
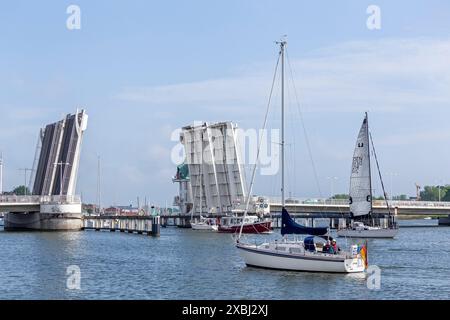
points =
(34, 199)
(377, 203)
(293, 201)
(431, 204)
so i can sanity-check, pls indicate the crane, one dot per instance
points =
(417, 192)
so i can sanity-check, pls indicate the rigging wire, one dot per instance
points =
(291, 146)
(379, 173)
(305, 133)
(259, 145)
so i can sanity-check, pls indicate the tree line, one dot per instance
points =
(429, 193)
(18, 191)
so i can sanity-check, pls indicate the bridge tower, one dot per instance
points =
(55, 178)
(216, 174)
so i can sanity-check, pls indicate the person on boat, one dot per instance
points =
(334, 247)
(326, 247)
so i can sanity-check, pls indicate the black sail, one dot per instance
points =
(289, 226)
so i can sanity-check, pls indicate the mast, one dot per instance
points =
(381, 179)
(98, 184)
(259, 146)
(282, 48)
(201, 173)
(370, 169)
(1, 173)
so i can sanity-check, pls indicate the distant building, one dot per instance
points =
(89, 208)
(128, 210)
(111, 211)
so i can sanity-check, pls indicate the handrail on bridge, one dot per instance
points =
(392, 203)
(36, 199)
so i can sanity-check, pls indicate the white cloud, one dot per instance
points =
(415, 138)
(402, 77)
(388, 75)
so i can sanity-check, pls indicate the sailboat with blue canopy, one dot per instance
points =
(295, 254)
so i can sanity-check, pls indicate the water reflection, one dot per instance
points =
(184, 264)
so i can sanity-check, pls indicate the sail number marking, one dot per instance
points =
(357, 162)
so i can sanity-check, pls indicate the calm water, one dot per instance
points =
(184, 264)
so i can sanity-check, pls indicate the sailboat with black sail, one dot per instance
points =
(298, 254)
(361, 204)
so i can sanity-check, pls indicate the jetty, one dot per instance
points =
(149, 225)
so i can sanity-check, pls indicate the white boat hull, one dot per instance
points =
(204, 227)
(374, 233)
(256, 257)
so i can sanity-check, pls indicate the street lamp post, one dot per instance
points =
(439, 182)
(332, 179)
(439, 188)
(25, 170)
(392, 174)
(1, 173)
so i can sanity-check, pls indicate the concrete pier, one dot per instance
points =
(53, 215)
(149, 225)
(444, 221)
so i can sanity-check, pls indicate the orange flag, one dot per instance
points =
(363, 253)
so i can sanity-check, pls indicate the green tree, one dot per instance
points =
(431, 193)
(21, 191)
(340, 196)
(401, 197)
(447, 193)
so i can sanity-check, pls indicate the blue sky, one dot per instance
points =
(144, 68)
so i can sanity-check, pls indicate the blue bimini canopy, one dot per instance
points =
(309, 243)
(289, 226)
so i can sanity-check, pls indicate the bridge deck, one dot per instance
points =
(32, 203)
(340, 208)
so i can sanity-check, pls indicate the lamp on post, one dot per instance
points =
(25, 170)
(332, 179)
(439, 182)
(392, 174)
(1, 173)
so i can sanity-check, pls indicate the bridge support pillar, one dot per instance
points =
(444, 221)
(52, 217)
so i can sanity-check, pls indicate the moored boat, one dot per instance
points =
(360, 230)
(205, 224)
(251, 224)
